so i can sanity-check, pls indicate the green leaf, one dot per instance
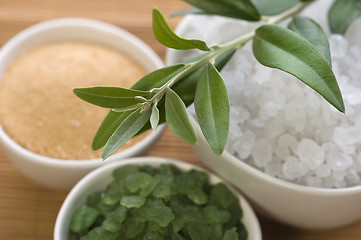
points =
(110, 97)
(154, 118)
(212, 108)
(280, 48)
(177, 117)
(273, 7)
(186, 88)
(164, 34)
(112, 121)
(188, 11)
(126, 130)
(241, 9)
(342, 13)
(158, 77)
(313, 33)
(223, 59)
(126, 109)
(82, 219)
(196, 58)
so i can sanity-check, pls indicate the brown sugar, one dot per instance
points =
(38, 108)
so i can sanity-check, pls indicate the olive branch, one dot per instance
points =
(301, 49)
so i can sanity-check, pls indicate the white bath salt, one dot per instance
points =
(352, 178)
(313, 181)
(262, 152)
(293, 168)
(281, 151)
(324, 170)
(244, 144)
(339, 161)
(289, 141)
(274, 168)
(342, 137)
(273, 129)
(310, 153)
(339, 45)
(288, 130)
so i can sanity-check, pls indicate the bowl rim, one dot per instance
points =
(170, 59)
(74, 193)
(57, 23)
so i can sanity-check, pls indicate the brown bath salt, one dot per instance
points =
(38, 108)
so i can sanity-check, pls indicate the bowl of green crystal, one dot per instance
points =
(154, 198)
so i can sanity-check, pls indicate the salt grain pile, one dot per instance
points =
(281, 126)
(284, 128)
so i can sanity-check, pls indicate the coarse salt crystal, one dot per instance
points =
(262, 152)
(293, 168)
(294, 133)
(245, 144)
(310, 153)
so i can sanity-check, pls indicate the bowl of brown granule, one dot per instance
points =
(45, 130)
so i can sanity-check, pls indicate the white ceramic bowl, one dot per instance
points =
(292, 204)
(57, 173)
(99, 178)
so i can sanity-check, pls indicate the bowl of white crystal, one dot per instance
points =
(293, 156)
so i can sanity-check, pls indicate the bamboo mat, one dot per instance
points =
(28, 211)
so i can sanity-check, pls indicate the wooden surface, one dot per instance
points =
(28, 211)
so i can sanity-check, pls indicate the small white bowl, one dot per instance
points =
(98, 179)
(292, 204)
(57, 173)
